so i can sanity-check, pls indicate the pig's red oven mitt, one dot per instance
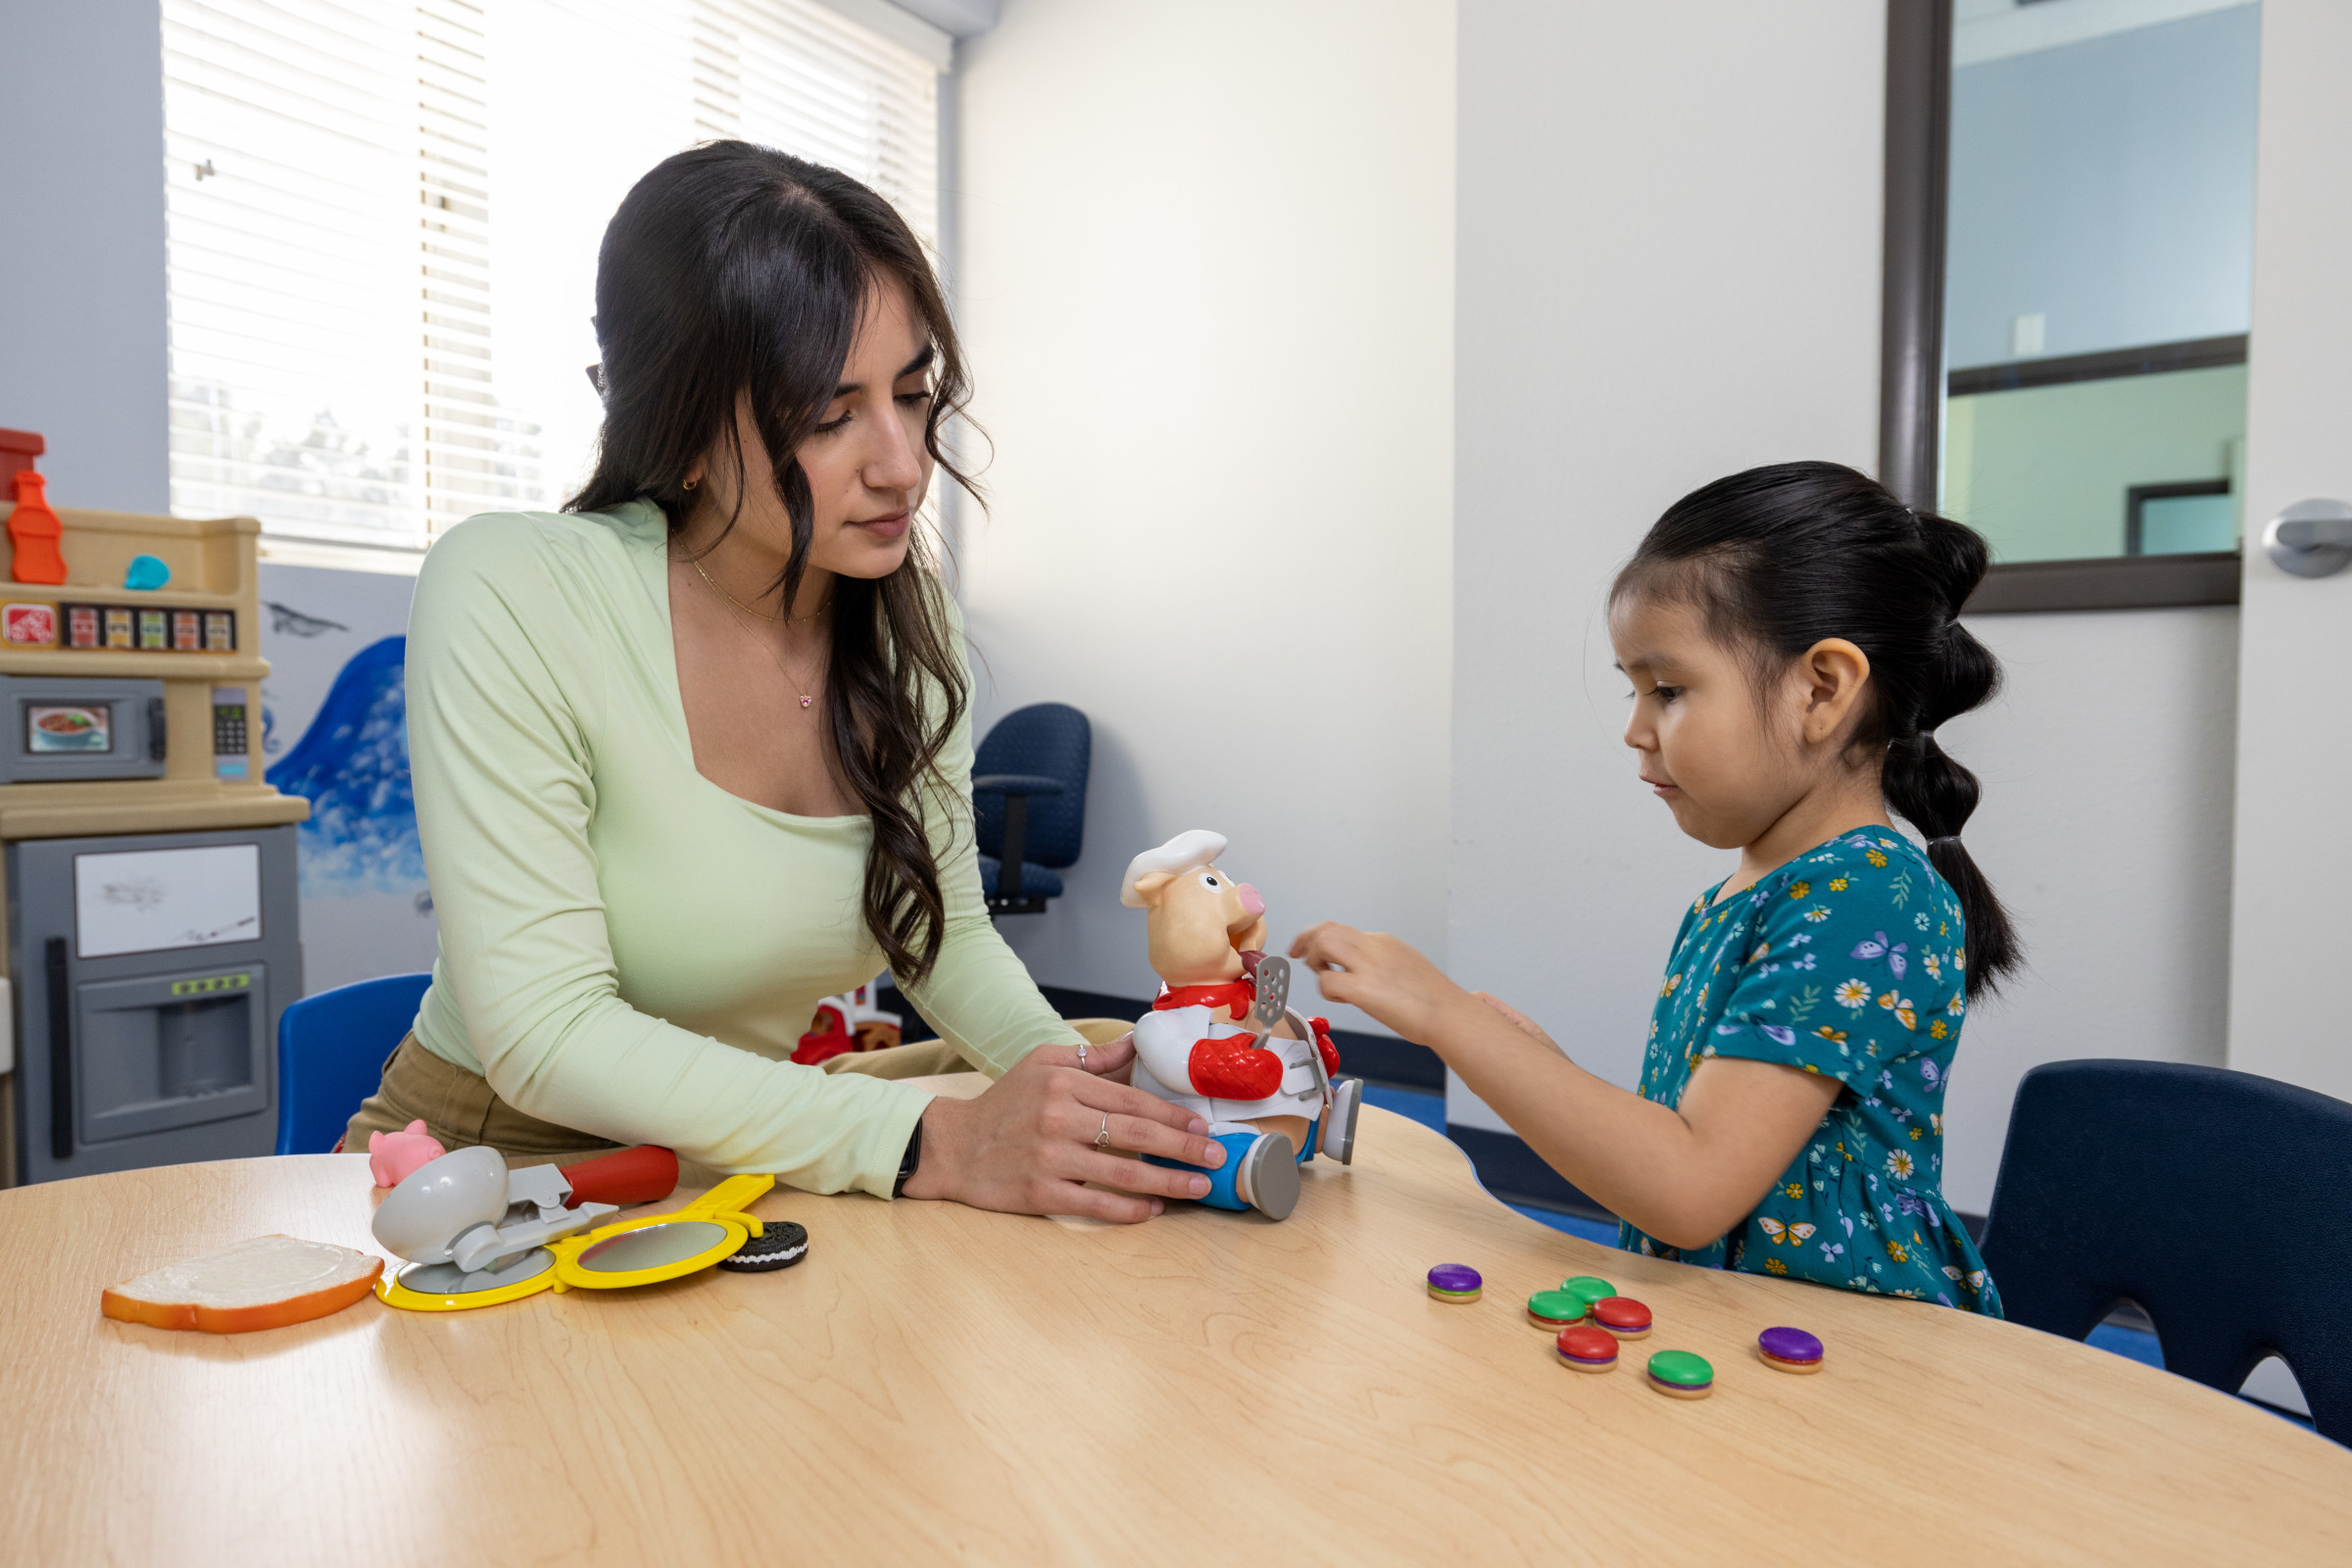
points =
(1324, 1047)
(1235, 1068)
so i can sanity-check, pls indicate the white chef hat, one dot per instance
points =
(1194, 846)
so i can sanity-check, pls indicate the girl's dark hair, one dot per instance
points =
(731, 270)
(1781, 557)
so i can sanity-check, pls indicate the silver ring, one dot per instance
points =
(1082, 1056)
(1102, 1138)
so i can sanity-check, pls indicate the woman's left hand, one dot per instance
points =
(1112, 1061)
(1046, 1139)
(1375, 971)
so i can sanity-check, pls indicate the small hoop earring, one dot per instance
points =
(691, 483)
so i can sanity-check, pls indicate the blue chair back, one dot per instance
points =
(2219, 1201)
(1052, 739)
(331, 1055)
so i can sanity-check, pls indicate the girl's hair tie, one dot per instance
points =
(1949, 837)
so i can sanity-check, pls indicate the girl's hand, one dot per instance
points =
(1385, 977)
(1026, 1146)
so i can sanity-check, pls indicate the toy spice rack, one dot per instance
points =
(197, 635)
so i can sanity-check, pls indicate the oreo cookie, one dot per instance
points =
(780, 1244)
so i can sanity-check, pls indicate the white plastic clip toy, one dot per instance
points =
(468, 1209)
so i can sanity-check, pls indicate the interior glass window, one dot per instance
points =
(2099, 265)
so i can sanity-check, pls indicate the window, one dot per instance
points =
(383, 221)
(2077, 193)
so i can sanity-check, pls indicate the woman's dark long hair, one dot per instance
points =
(735, 269)
(1781, 557)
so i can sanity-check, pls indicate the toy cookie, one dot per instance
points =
(1787, 1350)
(1587, 1350)
(1455, 1282)
(1681, 1375)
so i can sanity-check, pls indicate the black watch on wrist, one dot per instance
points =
(909, 1160)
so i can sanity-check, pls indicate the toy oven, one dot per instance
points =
(65, 728)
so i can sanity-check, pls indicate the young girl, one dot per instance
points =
(1792, 638)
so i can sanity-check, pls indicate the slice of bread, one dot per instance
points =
(265, 1283)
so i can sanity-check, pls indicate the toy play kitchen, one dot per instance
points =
(150, 936)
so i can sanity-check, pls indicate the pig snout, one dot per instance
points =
(1252, 905)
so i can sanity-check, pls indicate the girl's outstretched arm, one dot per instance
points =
(1684, 1175)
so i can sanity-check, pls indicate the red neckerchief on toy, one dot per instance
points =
(1238, 995)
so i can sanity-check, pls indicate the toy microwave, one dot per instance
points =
(68, 727)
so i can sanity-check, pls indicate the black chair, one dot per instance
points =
(2219, 1201)
(1029, 797)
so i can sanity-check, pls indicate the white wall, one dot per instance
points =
(2107, 767)
(2294, 861)
(1206, 283)
(1669, 271)
(81, 263)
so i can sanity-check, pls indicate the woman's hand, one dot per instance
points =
(1113, 1060)
(1385, 977)
(1027, 1145)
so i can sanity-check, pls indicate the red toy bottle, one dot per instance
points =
(35, 530)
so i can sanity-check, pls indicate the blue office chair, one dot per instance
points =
(331, 1055)
(1029, 796)
(2219, 1201)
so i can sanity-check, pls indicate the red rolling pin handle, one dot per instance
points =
(639, 1175)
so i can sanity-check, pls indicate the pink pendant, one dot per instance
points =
(806, 700)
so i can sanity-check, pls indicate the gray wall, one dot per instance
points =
(83, 327)
(2107, 186)
(1208, 293)
(1668, 261)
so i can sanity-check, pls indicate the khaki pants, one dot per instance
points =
(461, 1109)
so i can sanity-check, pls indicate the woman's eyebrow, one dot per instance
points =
(922, 362)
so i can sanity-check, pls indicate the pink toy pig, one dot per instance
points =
(391, 1156)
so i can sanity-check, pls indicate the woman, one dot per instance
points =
(698, 751)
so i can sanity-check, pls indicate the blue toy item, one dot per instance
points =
(331, 1050)
(1029, 804)
(146, 574)
(1275, 1189)
(2215, 1200)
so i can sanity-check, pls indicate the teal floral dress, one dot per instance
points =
(1846, 961)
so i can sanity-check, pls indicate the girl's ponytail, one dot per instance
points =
(1789, 556)
(1934, 794)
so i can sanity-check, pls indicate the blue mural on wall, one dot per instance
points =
(352, 764)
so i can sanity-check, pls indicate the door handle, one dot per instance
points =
(61, 1052)
(157, 731)
(2310, 538)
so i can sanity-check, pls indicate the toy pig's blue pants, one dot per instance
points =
(1221, 1194)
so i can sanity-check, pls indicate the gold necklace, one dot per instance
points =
(806, 701)
(788, 621)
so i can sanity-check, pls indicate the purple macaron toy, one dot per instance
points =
(1455, 1282)
(1787, 1350)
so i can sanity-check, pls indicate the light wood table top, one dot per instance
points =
(937, 1384)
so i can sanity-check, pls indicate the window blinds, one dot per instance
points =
(384, 217)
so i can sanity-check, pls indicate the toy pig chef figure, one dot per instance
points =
(1266, 1091)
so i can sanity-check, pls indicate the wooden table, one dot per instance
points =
(936, 1384)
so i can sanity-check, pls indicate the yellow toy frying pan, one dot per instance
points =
(631, 1252)
(662, 1247)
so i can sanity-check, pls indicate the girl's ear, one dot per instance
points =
(1834, 672)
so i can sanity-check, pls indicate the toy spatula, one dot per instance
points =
(1273, 992)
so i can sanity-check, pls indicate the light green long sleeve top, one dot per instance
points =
(627, 949)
